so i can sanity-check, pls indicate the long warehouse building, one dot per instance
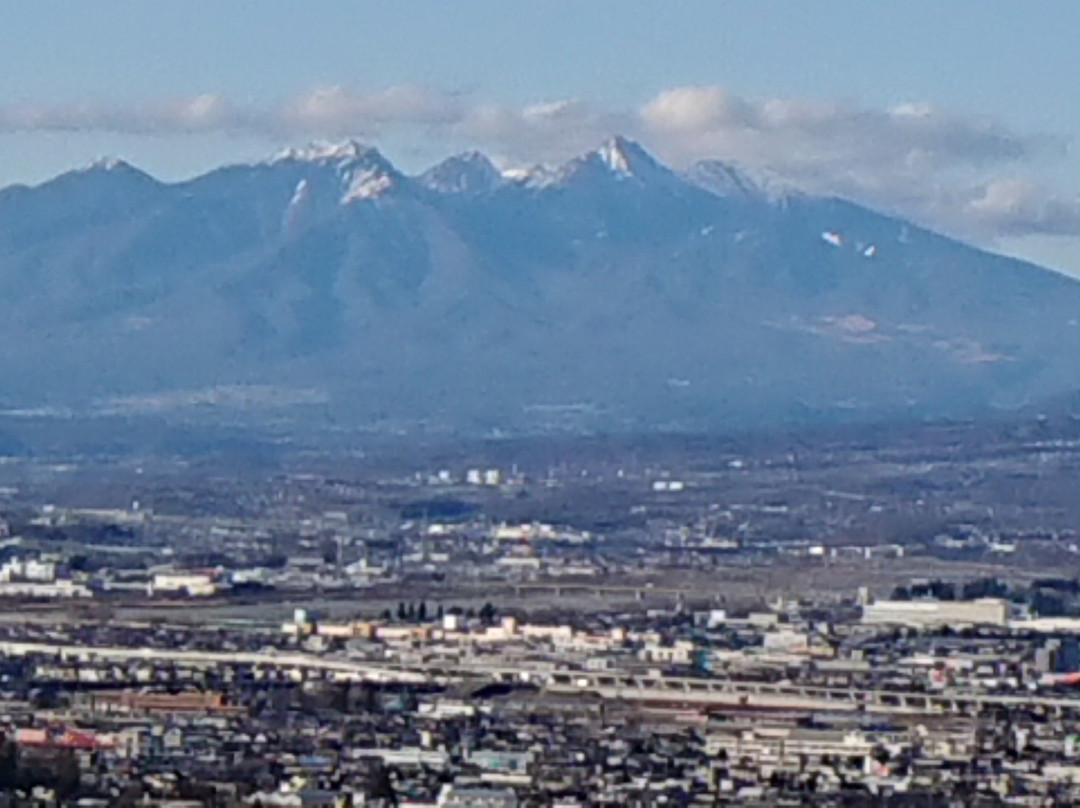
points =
(933, 613)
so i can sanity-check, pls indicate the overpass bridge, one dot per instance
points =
(792, 695)
(652, 689)
(602, 590)
(332, 667)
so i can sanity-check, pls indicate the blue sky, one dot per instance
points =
(956, 114)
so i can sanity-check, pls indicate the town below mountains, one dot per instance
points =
(325, 289)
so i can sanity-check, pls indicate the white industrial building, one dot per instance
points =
(28, 570)
(936, 613)
(61, 588)
(787, 745)
(192, 584)
(37, 578)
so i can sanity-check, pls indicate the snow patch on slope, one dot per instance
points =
(366, 184)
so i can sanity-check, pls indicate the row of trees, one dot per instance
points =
(409, 612)
(946, 590)
(1047, 598)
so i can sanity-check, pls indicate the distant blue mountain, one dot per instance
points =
(607, 293)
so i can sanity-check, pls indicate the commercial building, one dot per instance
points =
(934, 613)
(192, 584)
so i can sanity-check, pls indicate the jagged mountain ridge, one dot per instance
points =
(611, 291)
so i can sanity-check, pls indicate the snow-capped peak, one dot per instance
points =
(466, 173)
(105, 164)
(617, 158)
(362, 171)
(111, 170)
(625, 157)
(323, 151)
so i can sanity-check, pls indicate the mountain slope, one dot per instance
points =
(610, 292)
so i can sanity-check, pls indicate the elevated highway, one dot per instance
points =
(602, 590)
(334, 667)
(719, 692)
(610, 685)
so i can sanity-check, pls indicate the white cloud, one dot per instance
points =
(327, 110)
(912, 159)
(338, 110)
(938, 167)
(816, 141)
(1015, 207)
(200, 113)
(697, 111)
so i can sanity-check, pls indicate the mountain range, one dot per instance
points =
(610, 292)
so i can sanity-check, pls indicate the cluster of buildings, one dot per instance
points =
(144, 555)
(254, 656)
(806, 702)
(35, 578)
